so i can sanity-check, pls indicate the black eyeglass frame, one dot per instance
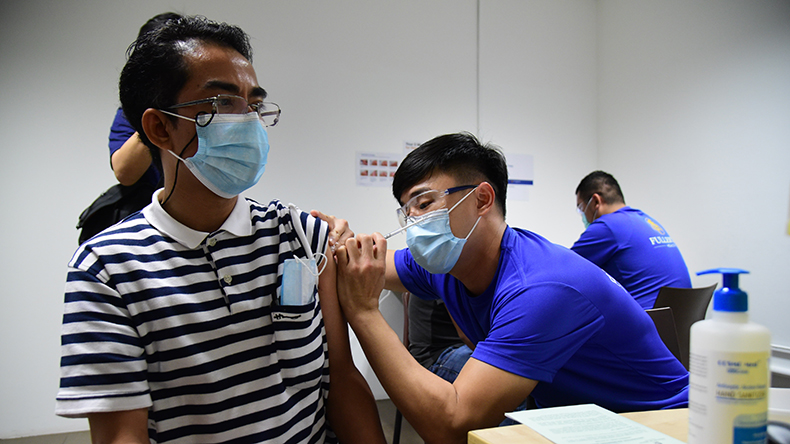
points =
(213, 100)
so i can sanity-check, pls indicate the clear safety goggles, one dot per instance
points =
(424, 203)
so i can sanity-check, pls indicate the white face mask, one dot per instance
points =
(433, 244)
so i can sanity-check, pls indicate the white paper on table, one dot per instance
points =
(589, 424)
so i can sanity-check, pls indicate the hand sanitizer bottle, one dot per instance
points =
(729, 370)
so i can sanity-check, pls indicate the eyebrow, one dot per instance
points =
(259, 92)
(234, 89)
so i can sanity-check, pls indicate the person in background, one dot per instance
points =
(543, 320)
(625, 242)
(130, 159)
(208, 317)
(433, 339)
(137, 172)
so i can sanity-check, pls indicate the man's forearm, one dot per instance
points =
(352, 410)
(124, 427)
(425, 400)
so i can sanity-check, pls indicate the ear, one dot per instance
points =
(158, 128)
(597, 199)
(486, 198)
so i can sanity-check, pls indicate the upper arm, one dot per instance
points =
(127, 427)
(334, 322)
(101, 348)
(120, 131)
(131, 160)
(391, 278)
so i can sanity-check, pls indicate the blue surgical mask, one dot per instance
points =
(231, 155)
(433, 244)
(585, 221)
(584, 216)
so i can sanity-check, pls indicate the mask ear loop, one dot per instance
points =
(294, 211)
(588, 205)
(473, 228)
(458, 203)
(178, 156)
(462, 199)
(178, 164)
(319, 258)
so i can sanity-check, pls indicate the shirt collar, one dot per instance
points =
(238, 222)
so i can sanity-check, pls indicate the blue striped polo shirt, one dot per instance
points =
(187, 324)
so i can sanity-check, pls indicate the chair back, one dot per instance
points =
(688, 305)
(665, 325)
(405, 296)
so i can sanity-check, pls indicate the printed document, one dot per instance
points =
(588, 424)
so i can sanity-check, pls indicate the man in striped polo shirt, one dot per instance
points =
(208, 317)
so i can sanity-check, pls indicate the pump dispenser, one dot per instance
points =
(729, 372)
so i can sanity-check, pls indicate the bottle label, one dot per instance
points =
(728, 397)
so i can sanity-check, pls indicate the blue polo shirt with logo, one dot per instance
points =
(637, 251)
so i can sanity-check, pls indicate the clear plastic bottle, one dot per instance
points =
(729, 370)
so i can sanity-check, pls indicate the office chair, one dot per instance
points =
(398, 416)
(665, 324)
(688, 306)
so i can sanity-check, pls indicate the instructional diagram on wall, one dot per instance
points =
(378, 169)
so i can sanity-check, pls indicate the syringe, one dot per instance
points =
(399, 230)
(414, 222)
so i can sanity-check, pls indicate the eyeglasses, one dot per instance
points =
(579, 207)
(268, 112)
(426, 202)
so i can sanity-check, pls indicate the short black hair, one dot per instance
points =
(459, 155)
(155, 70)
(603, 184)
(157, 21)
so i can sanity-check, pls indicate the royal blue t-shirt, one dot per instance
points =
(637, 251)
(120, 131)
(552, 316)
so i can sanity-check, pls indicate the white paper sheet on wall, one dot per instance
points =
(520, 172)
(409, 147)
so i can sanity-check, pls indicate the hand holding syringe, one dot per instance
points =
(340, 230)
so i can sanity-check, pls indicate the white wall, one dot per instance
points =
(538, 97)
(694, 121)
(634, 87)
